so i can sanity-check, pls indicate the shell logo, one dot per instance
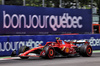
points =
(67, 50)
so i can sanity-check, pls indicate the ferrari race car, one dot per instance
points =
(57, 48)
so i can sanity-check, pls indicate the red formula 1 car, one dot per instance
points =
(52, 49)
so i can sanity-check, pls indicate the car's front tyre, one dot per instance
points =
(49, 52)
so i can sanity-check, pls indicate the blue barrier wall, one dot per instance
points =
(41, 20)
(10, 43)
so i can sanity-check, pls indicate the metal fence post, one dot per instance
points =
(60, 3)
(91, 4)
(3, 2)
(43, 3)
(76, 3)
(24, 2)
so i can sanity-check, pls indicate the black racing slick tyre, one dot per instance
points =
(86, 50)
(49, 52)
(22, 50)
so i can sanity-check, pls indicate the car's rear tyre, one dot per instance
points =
(49, 52)
(22, 50)
(86, 50)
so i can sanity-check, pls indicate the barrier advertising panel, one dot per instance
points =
(10, 43)
(42, 20)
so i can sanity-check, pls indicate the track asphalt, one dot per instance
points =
(94, 60)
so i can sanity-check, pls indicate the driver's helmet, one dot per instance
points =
(57, 38)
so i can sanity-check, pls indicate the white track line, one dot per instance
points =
(10, 58)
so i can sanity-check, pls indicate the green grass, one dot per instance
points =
(5, 57)
(96, 51)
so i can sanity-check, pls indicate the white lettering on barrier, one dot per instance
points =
(92, 41)
(35, 21)
(7, 46)
(14, 16)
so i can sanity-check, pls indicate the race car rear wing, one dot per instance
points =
(80, 42)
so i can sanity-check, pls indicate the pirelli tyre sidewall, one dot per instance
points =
(49, 52)
(86, 50)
